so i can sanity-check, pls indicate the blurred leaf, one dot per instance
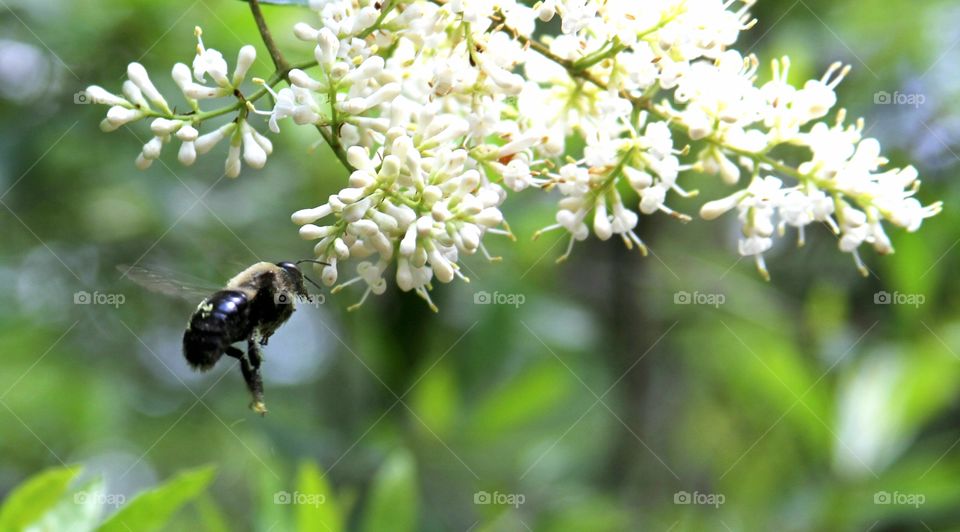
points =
(211, 515)
(435, 399)
(31, 499)
(393, 499)
(825, 310)
(524, 399)
(78, 511)
(876, 425)
(268, 513)
(912, 270)
(766, 375)
(595, 513)
(153, 508)
(319, 509)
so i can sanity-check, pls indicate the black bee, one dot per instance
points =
(252, 306)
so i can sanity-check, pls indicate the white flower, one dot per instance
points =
(425, 221)
(441, 108)
(209, 61)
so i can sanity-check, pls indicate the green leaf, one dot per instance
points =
(31, 499)
(525, 399)
(211, 515)
(393, 500)
(78, 511)
(268, 513)
(153, 508)
(435, 400)
(316, 507)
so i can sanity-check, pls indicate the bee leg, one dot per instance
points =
(233, 352)
(254, 354)
(251, 375)
(255, 385)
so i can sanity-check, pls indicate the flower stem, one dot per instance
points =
(278, 59)
(276, 78)
(283, 71)
(384, 11)
(577, 69)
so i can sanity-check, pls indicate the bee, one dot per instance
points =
(250, 308)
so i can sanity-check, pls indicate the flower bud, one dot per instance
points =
(305, 32)
(102, 96)
(246, 57)
(305, 216)
(138, 75)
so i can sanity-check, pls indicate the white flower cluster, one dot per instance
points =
(422, 193)
(139, 93)
(440, 107)
(840, 185)
(422, 210)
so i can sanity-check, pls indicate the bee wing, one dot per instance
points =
(166, 284)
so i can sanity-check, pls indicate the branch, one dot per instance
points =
(278, 60)
(334, 142)
(579, 70)
(283, 71)
(276, 78)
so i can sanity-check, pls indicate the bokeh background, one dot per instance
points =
(601, 403)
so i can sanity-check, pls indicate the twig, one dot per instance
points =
(283, 71)
(278, 60)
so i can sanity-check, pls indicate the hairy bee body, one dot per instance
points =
(253, 305)
(220, 321)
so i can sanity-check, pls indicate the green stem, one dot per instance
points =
(275, 79)
(283, 71)
(644, 102)
(587, 61)
(384, 11)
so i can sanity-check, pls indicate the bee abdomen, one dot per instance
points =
(220, 320)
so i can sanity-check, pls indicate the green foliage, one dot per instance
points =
(29, 501)
(393, 502)
(435, 400)
(797, 399)
(43, 502)
(526, 397)
(320, 511)
(80, 511)
(152, 509)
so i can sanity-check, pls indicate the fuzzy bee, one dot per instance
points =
(250, 308)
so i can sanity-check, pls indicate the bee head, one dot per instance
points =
(294, 276)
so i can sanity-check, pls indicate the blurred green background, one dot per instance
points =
(600, 403)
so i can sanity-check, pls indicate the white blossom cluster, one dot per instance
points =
(139, 93)
(441, 107)
(421, 210)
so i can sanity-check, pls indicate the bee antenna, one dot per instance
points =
(313, 261)
(314, 283)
